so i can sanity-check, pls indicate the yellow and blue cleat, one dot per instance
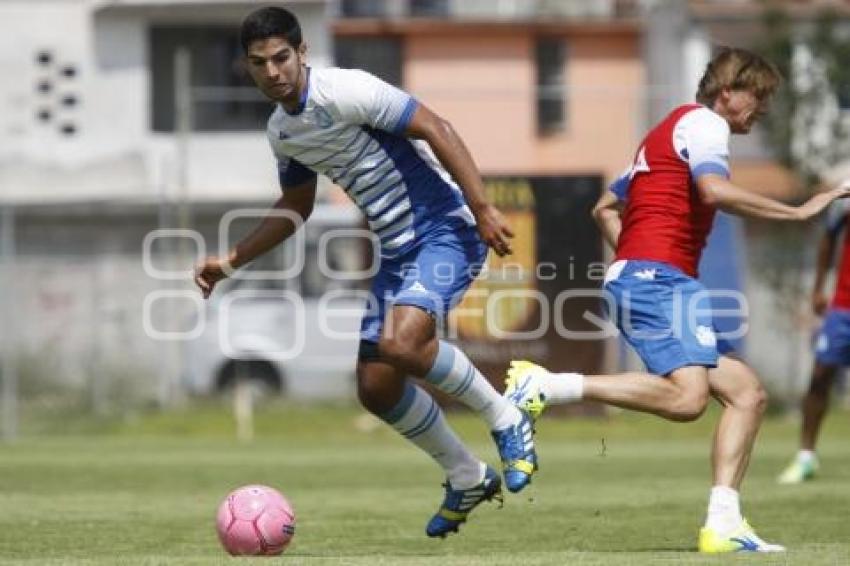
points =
(798, 471)
(522, 387)
(516, 449)
(458, 503)
(743, 539)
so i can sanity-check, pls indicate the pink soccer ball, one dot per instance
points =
(255, 520)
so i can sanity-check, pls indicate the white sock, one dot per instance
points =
(562, 387)
(454, 374)
(806, 456)
(420, 420)
(724, 510)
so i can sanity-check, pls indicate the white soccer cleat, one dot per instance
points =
(743, 539)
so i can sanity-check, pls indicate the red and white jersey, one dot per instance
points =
(664, 218)
(836, 221)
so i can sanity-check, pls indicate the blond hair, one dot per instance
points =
(737, 69)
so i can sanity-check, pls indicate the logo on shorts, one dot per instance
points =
(645, 274)
(706, 337)
(418, 288)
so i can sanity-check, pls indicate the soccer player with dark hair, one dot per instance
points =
(832, 345)
(412, 176)
(657, 217)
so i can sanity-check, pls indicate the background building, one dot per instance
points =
(130, 116)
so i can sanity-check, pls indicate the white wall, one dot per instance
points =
(115, 154)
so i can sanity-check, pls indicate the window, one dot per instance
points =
(429, 8)
(363, 8)
(232, 104)
(381, 56)
(550, 57)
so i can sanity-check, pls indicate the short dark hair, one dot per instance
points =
(267, 22)
(736, 69)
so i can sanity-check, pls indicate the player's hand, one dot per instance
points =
(819, 302)
(495, 230)
(209, 272)
(820, 201)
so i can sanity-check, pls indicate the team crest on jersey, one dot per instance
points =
(321, 118)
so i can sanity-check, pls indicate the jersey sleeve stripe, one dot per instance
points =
(406, 116)
(710, 168)
(620, 187)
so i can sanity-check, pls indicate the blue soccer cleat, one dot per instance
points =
(458, 503)
(516, 449)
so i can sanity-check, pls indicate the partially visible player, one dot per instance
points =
(412, 176)
(832, 347)
(657, 216)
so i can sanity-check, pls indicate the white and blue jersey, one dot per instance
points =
(349, 127)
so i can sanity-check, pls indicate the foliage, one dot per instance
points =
(806, 127)
(807, 133)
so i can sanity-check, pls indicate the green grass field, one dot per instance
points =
(627, 490)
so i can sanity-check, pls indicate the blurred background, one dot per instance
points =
(128, 129)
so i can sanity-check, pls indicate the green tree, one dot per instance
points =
(807, 128)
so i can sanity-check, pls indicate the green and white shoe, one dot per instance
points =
(799, 471)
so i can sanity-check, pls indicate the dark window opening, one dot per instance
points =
(429, 8)
(380, 56)
(363, 8)
(223, 94)
(550, 58)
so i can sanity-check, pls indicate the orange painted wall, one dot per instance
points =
(485, 86)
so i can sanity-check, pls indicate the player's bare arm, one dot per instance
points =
(826, 253)
(717, 191)
(607, 213)
(272, 231)
(455, 157)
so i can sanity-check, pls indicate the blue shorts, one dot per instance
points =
(832, 346)
(432, 276)
(664, 315)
